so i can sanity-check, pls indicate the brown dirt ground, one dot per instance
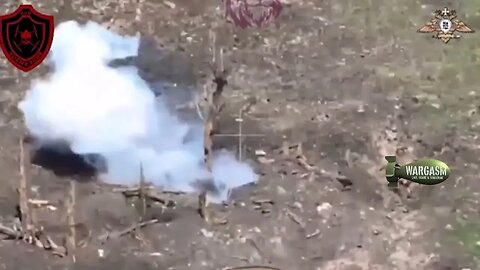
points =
(350, 80)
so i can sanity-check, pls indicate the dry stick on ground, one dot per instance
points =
(252, 268)
(147, 188)
(10, 233)
(151, 193)
(72, 238)
(143, 192)
(127, 230)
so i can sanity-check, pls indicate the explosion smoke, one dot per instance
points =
(98, 109)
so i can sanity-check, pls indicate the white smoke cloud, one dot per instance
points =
(98, 109)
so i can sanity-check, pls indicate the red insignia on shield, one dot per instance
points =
(26, 36)
(252, 13)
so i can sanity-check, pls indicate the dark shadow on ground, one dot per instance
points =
(63, 164)
(62, 161)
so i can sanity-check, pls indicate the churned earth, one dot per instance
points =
(333, 86)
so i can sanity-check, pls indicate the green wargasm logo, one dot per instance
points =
(423, 171)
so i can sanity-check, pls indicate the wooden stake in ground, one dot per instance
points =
(28, 232)
(214, 107)
(214, 100)
(143, 199)
(202, 206)
(72, 238)
(24, 192)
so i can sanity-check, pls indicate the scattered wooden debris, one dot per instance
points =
(169, 4)
(252, 268)
(47, 243)
(127, 230)
(262, 157)
(313, 171)
(262, 201)
(263, 204)
(11, 233)
(260, 153)
(295, 218)
(299, 156)
(244, 259)
(42, 203)
(263, 209)
(311, 235)
(27, 231)
(265, 160)
(57, 250)
(172, 199)
(219, 220)
(149, 192)
(302, 159)
(206, 233)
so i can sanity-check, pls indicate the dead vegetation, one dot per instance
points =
(29, 231)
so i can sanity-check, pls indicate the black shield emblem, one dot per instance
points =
(26, 37)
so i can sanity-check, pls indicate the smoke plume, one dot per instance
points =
(97, 109)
